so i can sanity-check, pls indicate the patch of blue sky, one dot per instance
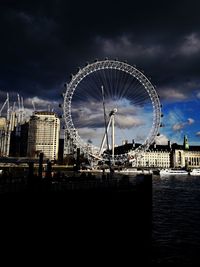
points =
(182, 118)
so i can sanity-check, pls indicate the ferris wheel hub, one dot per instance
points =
(113, 112)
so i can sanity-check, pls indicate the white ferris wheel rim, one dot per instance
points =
(124, 67)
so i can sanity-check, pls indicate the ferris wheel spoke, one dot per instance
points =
(97, 83)
(135, 96)
(108, 74)
(101, 81)
(107, 85)
(89, 89)
(93, 86)
(119, 87)
(133, 84)
(137, 92)
(117, 80)
(115, 83)
(126, 85)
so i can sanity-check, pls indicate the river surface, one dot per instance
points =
(176, 220)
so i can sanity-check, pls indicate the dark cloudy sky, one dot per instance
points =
(43, 42)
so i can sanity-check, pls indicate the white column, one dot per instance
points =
(113, 137)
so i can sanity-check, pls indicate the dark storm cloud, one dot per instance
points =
(43, 42)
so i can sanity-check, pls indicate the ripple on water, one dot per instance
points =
(176, 220)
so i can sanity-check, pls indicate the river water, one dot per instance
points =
(176, 220)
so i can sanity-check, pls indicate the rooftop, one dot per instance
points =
(44, 113)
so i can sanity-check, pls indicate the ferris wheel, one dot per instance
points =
(107, 104)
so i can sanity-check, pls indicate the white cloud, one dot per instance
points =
(92, 136)
(161, 140)
(40, 103)
(89, 133)
(124, 46)
(140, 138)
(26, 18)
(198, 133)
(191, 45)
(28, 107)
(172, 94)
(28, 112)
(179, 92)
(131, 121)
(180, 125)
(127, 122)
(90, 114)
(198, 95)
(190, 121)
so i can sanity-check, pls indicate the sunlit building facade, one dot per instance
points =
(43, 135)
(186, 155)
(6, 128)
(3, 136)
(157, 156)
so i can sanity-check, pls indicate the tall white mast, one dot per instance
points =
(19, 109)
(33, 105)
(4, 104)
(113, 136)
(8, 107)
(22, 109)
(105, 122)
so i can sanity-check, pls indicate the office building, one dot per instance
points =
(3, 136)
(186, 155)
(43, 135)
(18, 140)
(157, 156)
(6, 128)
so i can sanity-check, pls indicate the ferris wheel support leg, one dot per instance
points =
(104, 138)
(113, 138)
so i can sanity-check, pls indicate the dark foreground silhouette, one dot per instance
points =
(95, 225)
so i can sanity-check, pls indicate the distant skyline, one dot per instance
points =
(43, 42)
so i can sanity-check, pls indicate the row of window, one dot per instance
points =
(153, 157)
(195, 161)
(155, 162)
(162, 164)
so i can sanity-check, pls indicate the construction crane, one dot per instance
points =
(14, 104)
(4, 104)
(19, 109)
(33, 105)
(22, 109)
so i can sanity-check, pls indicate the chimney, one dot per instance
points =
(169, 144)
(133, 142)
